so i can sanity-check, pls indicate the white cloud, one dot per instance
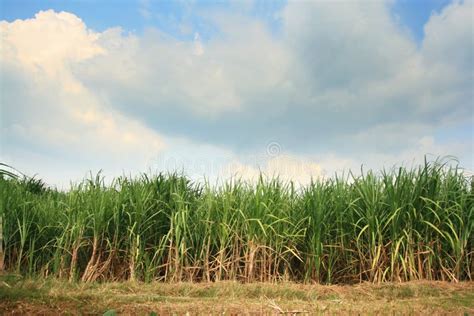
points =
(344, 63)
(448, 60)
(303, 169)
(448, 35)
(346, 44)
(286, 167)
(46, 109)
(48, 43)
(158, 70)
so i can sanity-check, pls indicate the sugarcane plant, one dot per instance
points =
(5, 172)
(394, 225)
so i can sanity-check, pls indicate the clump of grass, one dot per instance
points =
(397, 225)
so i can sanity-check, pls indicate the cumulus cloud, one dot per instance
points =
(302, 169)
(448, 59)
(48, 42)
(46, 109)
(160, 71)
(445, 31)
(285, 167)
(336, 70)
(345, 45)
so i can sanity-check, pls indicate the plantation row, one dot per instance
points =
(391, 226)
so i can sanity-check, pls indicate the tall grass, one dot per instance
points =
(397, 225)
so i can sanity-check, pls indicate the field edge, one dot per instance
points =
(20, 295)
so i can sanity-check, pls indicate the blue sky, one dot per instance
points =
(218, 88)
(100, 15)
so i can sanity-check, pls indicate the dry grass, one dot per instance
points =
(51, 297)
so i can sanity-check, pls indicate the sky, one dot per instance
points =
(299, 89)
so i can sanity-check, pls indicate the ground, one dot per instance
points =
(20, 296)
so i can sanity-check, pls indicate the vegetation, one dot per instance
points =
(26, 296)
(397, 225)
(7, 171)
